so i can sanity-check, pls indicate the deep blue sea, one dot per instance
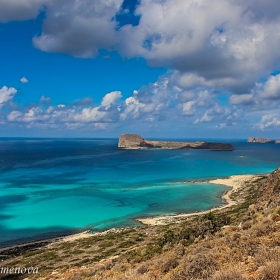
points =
(50, 187)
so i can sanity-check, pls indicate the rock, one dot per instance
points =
(131, 141)
(259, 140)
(135, 141)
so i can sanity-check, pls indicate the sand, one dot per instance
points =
(89, 233)
(234, 182)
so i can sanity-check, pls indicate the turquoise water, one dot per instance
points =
(50, 187)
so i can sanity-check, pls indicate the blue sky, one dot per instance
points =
(181, 68)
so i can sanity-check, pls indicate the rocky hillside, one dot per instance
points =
(135, 141)
(269, 192)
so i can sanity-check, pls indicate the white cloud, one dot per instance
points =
(219, 43)
(166, 99)
(79, 28)
(14, 115)
(224, 44)
(6, 94)
(24, 80)
(20, 9)
(188, 108)
(69, 116)
(204, 118)
(150, 102)
(241, 99)
(271, 88)
(110, 99)
(90, 115)
(269, 121)
(44, 99)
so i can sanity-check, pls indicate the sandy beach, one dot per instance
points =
(234, 182)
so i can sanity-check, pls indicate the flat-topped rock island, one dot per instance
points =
(135, 141)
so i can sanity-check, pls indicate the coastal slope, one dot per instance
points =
(135, 141)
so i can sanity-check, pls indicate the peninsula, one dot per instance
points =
(135, 141)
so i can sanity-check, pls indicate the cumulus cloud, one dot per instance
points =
(269, 121)
(231, 47)
(187, 108)
(79, 28)
(70, 116)
(262, 96)
(6, 94)
(212, 113)
(271, 88)
(150, 102)
(110, 99)
(44, 99)
(207, 45)
(83, 102)
(24, 80)
(241, 99)
(20, 9)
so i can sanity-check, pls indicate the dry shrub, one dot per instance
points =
(142, 268)
(246, 225)
(179, 250)
(231, 274)
(265, 255)
(236, 236)
(169, 264)
(200, 250)
(75, 276)
(200, 266)
(270, 272)
(264, 227)
(276, 213)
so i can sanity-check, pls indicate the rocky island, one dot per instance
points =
(135, 141)
(262, 140)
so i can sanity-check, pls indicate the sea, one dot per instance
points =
(53, 187)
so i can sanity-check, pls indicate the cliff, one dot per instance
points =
(135, 141)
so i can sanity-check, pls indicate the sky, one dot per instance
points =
(160, 68)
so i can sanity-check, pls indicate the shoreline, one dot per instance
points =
(234, 183)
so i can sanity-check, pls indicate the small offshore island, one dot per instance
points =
(135, 141)
(262, 140)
